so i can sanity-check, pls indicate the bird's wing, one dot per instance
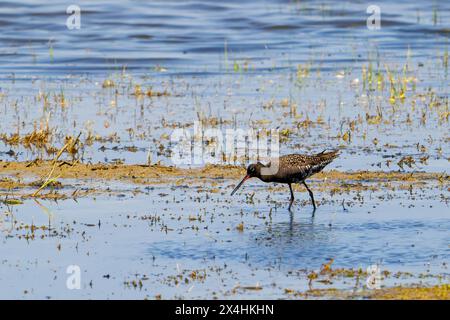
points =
(295, 165)
(303, 166)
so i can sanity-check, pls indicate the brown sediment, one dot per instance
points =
(419, 292)
(29, 176)
(141, 173)
(328, 275)
(439, 292)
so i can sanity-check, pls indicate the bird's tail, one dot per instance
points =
(327, 157)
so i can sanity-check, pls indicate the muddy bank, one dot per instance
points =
(144, 173)
(438, 292)
(35, 179)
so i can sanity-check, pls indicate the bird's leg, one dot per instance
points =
(311, 195)
(292, 196)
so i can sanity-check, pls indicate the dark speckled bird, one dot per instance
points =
(292, 168)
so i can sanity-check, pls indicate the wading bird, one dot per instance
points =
(292, 168)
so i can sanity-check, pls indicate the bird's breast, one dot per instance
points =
(282, 177)
(277, 178)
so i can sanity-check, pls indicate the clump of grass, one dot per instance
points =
(12, 140)
(241, 65)
(152, 93)
(60, 99)
(138, 92)
(285, 134)
(72, 145)
(50, 180)
(406, 160)
(398, 86)
(302, 74)
(44, 97)
(108, 83)
(38, 138)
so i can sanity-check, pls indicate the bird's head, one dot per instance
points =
(253, 170)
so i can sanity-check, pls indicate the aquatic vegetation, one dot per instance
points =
(38, 138)
(108, 83)
(86, 145)
(418, 292)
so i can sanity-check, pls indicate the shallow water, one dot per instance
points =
(120, 238)
(233, 62)
(252, 64)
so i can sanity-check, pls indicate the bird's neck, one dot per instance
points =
(266, 178)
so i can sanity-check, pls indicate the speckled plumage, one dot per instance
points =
(292, 168)
(295, 168)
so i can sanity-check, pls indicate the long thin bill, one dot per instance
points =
(240, 184)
